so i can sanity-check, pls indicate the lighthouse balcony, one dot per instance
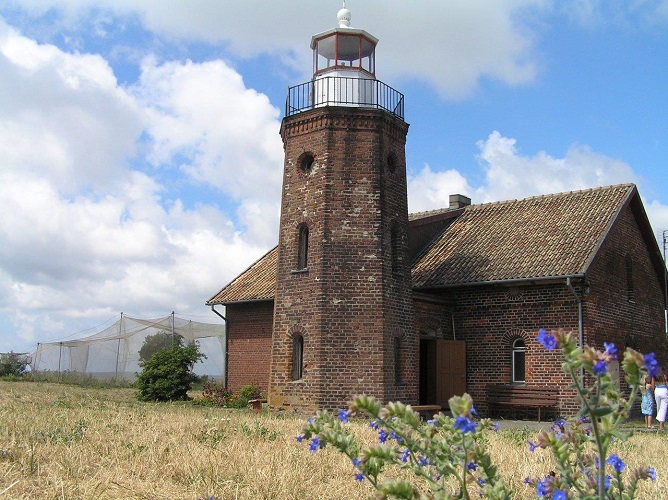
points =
(350, 91)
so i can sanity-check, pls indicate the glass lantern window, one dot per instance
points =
(340, 50)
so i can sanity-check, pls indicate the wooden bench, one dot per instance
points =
(522, 397)
(256, 404)
(428, 410)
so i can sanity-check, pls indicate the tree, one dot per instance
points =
(168, 375)
(13, 363)
(161, 340)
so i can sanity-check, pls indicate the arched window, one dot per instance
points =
(630, 293)
(519, 361)
(394, 248)
(297, 357)
(397, 360)
(302, 249)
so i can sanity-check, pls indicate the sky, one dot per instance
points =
(140, 156)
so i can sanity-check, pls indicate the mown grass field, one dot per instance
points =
(71, 442)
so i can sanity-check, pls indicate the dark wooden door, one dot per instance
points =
(442, 371)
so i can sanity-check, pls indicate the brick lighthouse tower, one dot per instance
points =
(343, 305)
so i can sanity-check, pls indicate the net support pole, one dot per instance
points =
(60, 357)
(172, 328)
(118, 346)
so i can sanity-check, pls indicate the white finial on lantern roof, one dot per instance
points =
(344, 16)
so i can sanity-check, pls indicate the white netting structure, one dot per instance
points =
(114, 352)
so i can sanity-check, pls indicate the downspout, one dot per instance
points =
(213, 308)
(580, 322)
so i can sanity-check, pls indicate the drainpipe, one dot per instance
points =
(213, 308)
(580, 323)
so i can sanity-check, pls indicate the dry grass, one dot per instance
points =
(60, 441)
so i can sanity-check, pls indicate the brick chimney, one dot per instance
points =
(459, 201)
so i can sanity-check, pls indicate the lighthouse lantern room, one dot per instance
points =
(344, 73)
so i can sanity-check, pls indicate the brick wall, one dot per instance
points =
(490, 318)
(249, 344)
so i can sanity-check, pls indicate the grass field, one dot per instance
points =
(71, 442)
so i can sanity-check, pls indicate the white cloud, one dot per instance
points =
(509, 174)
(450, 45)
(220, 132)
(429, 190)
(84, 232)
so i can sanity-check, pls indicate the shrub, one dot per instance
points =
(161, 340)
(217, 395)
(167, 375)
(13, 364)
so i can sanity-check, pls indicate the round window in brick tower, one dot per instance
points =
(306, 163)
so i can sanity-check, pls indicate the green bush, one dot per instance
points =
(215, 394)
(161, 340)
(13, 364)
(168, 375)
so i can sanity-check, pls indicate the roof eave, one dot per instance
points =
(506, 281)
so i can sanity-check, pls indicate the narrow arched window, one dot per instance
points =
(630, 292)
(394, 248)
(519, 361)
(297, 357)
(397, 360)
(302, 248)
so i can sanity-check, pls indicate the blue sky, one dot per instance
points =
(140, 160)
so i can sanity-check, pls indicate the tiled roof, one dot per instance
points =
(539, 237)
(545, 236)
(258, 282)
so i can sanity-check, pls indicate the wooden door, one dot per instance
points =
(442, 370)
(450, 370)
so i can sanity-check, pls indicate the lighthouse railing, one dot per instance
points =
(344, 91)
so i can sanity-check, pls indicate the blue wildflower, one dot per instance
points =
(527, 480)
(315, 444)
(481, 481)
(394, 435)
(651, 364)
(405, 455)
(532, 446)
(299, 438)
(600, 367)
(359, 477)
(422, 461)
(610, 349)
(343, 415)
(559, 425)
(616, 463)
(464, 425)
(495, 427)
(651, 472)
(382, 436)
(473, 412)
(431, 422)
(546, 340)
(542, 487)
(356, 462)
(471, 466)
(559, 495)
(373, 424)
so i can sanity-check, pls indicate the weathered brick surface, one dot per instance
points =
(350, 304)
(249, 344)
